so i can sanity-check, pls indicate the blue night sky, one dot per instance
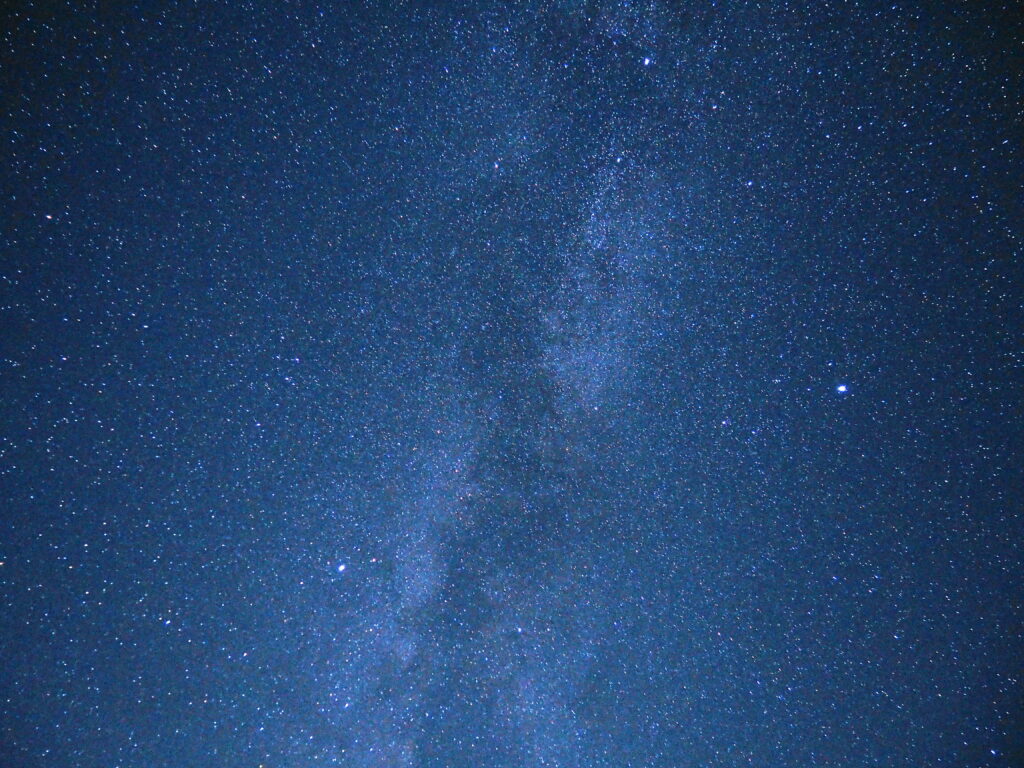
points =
(605, 384)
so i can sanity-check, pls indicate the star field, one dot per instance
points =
(562, 384)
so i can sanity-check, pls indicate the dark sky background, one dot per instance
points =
(555, 385)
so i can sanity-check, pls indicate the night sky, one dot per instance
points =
(606, 384)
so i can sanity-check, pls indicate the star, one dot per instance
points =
(841, 389)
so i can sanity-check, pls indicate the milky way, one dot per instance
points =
(482, 384)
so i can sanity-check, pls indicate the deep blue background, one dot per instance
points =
(534, 318)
